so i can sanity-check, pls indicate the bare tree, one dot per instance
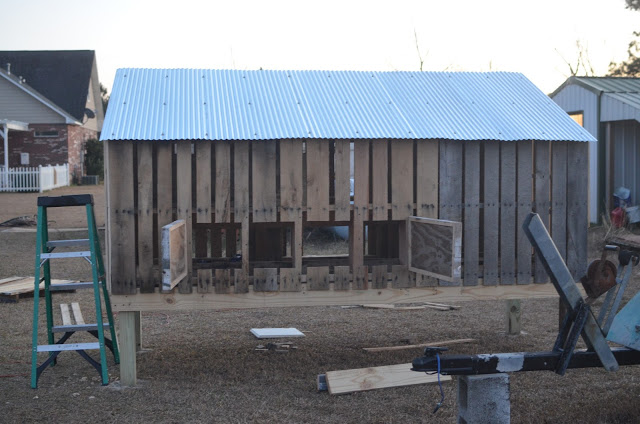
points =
(582, 64)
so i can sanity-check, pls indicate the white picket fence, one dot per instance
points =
(39, 178)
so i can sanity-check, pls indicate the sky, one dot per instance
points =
(536, 38)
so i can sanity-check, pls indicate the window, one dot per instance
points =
(578, 117)
(24, 158)
(52, 133)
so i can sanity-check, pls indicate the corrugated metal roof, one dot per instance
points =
(193, 104)
(612, 84)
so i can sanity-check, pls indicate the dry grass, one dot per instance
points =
(202, 367)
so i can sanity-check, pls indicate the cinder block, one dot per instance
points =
(484, 399)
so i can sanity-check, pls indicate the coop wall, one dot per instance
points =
(246, 204)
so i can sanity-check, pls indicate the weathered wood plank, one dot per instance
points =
(184, 208)
(401, 278)
(222, 281)
(145, 217)
(424, 280)
(290, 280)
(203, 181)
(401, 179)
(508, 203)
(318, 278)
(379, 175)
(427, 190)
(491, 217)
(205, 280)
(525, 197)
(357, 380)
(360, 202)
(164, 191)
(559, 196)
(342, 164)
(471, 224)
(379, 277)
(121, 211)
(265, 279)
(542, 198)
(223, 181)
(317, 180)
(241, 202)
(360, 277)
(451, 159)
(263, 158)
(240, 282)
(577, 204)
(291, 189)
(341, 278)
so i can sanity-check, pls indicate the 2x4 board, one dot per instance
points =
(435, 248)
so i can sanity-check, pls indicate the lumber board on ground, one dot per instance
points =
(253, 299)
(442, 343)
(357, 380)
(20, 285)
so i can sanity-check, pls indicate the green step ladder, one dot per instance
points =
(91, 253)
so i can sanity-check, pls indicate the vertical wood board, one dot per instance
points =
(317, 180)
(427, 186)
(223, 181)
(508, 204)
(577, 204)
(401, 179)
(524, 196)
(559, 196)
(542, 198)
(471, 221)
(265, 279)
(291, 189)
(318, 278)
(290, 280)
(341, 278)
(379, 174)
(264, 181)
(491, 221)
(342, 166)
(184, 207)
(145, 217)
(203, 181)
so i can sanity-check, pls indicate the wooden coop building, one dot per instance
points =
(252, 159)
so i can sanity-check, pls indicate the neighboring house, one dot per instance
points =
(57, 94)
(609, 108)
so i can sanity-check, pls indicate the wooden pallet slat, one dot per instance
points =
(265, 279)
(524, 202)
(121, 212)
(223, 181)
(401, 179)
(222, 281)
(379, 176)
(145, 217)
(401, 277)
(471, 230)
(203, 181)
(290, 280)
(183, 204)
(291, 189)
(379, 277)
(360, 203)
(542, 196)
(317, 180)
(491, 217)
(318, 278)
(341, 278)
(427, 184)
(508, 213)
(342, 188)
(577, 204)
(263, 158)
(559, 196)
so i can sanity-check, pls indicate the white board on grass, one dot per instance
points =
(273, 333)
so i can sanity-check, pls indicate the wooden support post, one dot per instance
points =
(513, 316)
(127, 347)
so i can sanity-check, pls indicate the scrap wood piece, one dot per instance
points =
(273, 333)
(442, 305)
(20, 221)
(402, 347)
(425, 305)
(361, 379)
(20, 285)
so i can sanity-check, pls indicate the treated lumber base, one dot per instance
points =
(145, 302)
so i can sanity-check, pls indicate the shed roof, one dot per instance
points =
(193, 104)
(623, 89)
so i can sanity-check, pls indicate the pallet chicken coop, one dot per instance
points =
(250, 161)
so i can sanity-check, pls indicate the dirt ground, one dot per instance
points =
(201, 366)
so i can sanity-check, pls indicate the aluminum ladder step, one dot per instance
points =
(77, 327)
(68, 243)
(62, 255)
(73, 286)
(68, 346)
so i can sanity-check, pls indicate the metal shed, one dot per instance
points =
(249, 158)
(609, 108)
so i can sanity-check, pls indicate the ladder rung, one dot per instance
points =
(67, 243)
(72, 286)
(85, 327)
(70, 346)
(82, 254)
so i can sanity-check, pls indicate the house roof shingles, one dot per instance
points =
(62, 76)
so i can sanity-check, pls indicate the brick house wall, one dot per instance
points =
(50, 144)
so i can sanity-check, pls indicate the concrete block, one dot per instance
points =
(484, 399)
